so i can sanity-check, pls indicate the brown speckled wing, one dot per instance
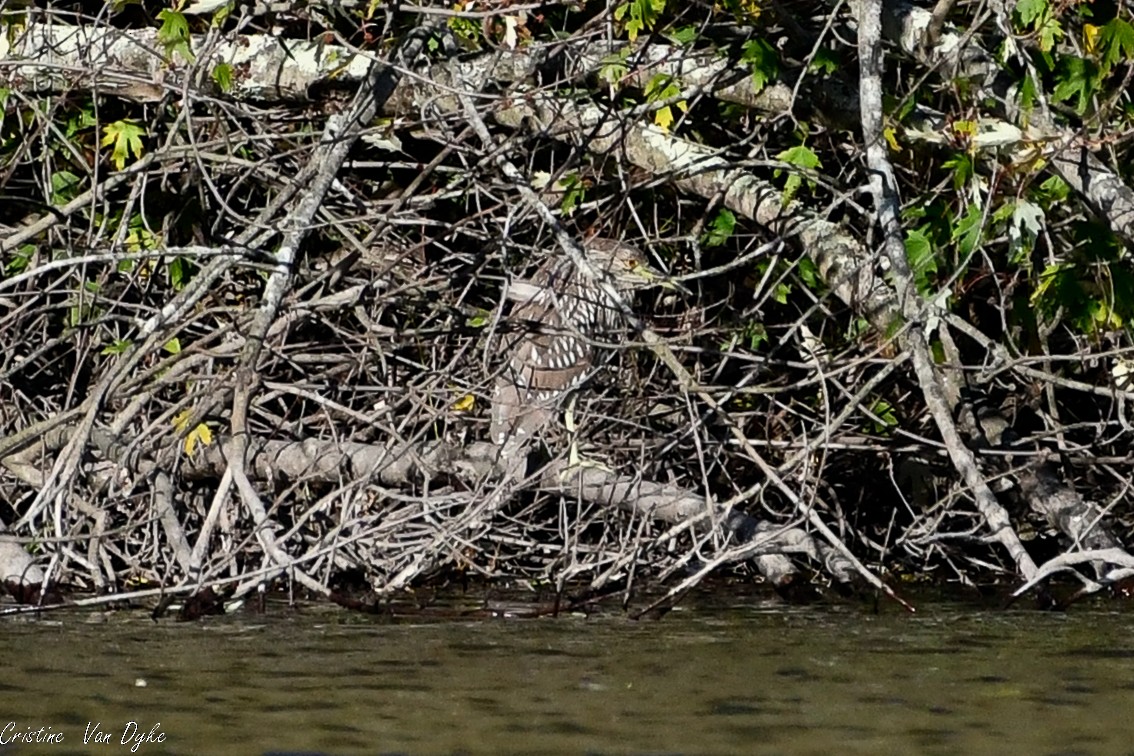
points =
(547, 360)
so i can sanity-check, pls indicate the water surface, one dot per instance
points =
(742, 679)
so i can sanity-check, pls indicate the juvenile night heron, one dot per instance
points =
(565, 313)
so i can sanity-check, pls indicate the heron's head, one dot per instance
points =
(626, 265)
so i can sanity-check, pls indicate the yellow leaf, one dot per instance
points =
(664, 118)
(199, 435)
(1091, 39)
(181, 420)
(465, 403)
(124, 137)
(964, 128)
(888, 134)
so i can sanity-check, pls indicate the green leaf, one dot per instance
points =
(683, 36)
(963, 169)
(222, 76)
(967, 230)
(467, 31)
(19, 260)
(882, 411)
(1050, 280)
(762, 61)
(64, 187)
(639, 16)
(825, 61)
(80, 121)
(1050, 32)
(905, 106)
(173, 34)
(720, 229)
(78, 313)
(140, 238)
(1028, 94)
(800, 156)
(1053, 190)
(1116, 42)
(858, 327)
(574, 192)
(1003, 213)
(118, 346)
(809, 273)
(180, 271)
(125, 137)
(1077, 77)
(613, 68)
(660, 88)
(1122, 281)
(222, 14)
(755, 334)
(1036, 17)
(791, 188)
(922, 259)
(1030, 10)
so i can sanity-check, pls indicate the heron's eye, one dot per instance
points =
(631, 264)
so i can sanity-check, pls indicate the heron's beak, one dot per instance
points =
(651, 276)
(668, 283)
(672, 284)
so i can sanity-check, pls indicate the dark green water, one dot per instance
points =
(736, 680)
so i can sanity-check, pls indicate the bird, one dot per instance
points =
(566, 315)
